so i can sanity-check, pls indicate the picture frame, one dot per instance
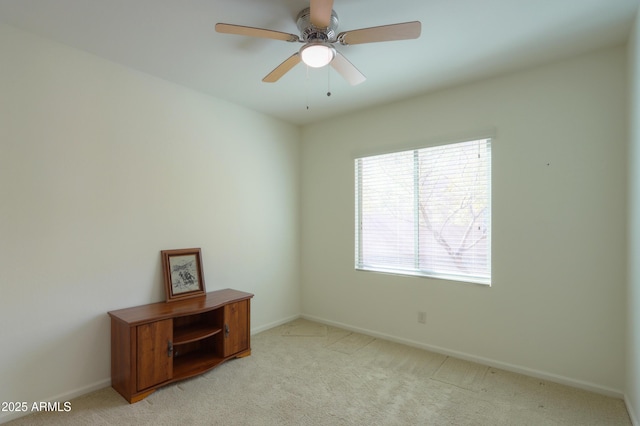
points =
(183, 276)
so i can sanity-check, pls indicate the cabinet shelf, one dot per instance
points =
(188, 334)
(194, 363)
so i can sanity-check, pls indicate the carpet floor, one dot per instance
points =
(305, 373)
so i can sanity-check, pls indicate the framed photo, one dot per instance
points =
(183, 277)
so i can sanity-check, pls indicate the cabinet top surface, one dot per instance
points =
(161, 310)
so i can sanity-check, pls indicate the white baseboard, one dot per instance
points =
(4, 418)
(632, 413)
(485, 361)
(273, 324)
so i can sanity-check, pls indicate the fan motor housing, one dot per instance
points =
(310, 32)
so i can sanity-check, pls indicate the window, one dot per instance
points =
(426, 212)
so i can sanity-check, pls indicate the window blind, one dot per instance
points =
(426, 212)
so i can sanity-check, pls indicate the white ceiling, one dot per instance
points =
(462, 40)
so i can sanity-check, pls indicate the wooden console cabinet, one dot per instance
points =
(153, 345)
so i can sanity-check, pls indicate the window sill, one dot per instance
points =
(421, 274)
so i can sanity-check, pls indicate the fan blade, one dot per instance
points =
(404, 31)
(320, 13)
(347, 70)
(283, 68)
(255, 32)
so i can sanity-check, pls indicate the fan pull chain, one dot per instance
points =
(306, 87)
(328, 80)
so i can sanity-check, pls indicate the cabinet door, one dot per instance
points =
(154, 353)
(236, 327)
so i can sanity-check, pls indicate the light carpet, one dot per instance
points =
(304, 373)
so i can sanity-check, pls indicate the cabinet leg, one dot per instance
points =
(244, 354)
(139, 397)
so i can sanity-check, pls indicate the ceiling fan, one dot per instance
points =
(317, 24)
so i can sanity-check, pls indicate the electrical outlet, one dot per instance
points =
(422, 317)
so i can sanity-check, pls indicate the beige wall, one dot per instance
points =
(101, 167)
(556, 307)
(633, 299)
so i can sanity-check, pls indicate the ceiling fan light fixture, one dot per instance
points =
(317, 55)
